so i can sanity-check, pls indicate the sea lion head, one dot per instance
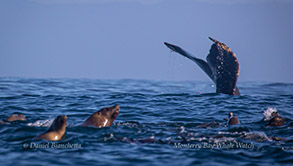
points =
(233, 120)
(16, 117)
(274, 114)
(276, 120)
(56, 131)
(103, 118)
(230, 114)
(59, 124)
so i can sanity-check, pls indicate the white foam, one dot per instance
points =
(268, 113)
(257, 135)
(219, 140)
(42, 123)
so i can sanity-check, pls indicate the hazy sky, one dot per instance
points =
(115, 39)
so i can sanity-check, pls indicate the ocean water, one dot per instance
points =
(159, 123)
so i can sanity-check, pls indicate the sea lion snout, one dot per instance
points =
(274, 114)
(62, 118)
(116, 108)
(115, 111)
(59, 122)
(230, 114)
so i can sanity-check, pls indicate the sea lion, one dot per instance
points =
(222, 66)
(16, 117)
(278, 139)
(233, 120)
(56, 130)
(4, 123)
(103, 118)
(276, 120)
(206, 125)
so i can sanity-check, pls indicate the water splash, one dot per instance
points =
(42, 123)
(268, 113)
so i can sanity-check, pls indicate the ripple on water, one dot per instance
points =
(160, 122)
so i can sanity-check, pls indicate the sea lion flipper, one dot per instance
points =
(201, 63)
(224, 66)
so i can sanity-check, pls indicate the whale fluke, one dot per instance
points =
(222, 66)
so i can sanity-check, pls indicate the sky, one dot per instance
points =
(123, 39)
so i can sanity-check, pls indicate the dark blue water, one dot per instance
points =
(158, 123)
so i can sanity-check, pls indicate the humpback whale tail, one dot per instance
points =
(222, 66)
